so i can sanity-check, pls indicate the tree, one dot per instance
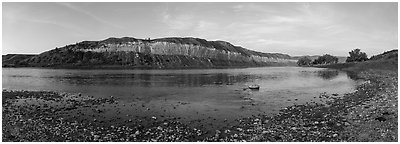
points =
(330, 59)
(326, 59)
(304, 61)
(356, 56)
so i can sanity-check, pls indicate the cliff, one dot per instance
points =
(173, 52)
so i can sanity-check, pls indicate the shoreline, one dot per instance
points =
(120, 67)
(337, 120)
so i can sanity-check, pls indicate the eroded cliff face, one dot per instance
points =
(166, 48)
(159, 53)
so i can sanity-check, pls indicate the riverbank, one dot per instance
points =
(149, 67)
(368, 114)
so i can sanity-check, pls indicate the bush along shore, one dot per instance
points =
(367, 114)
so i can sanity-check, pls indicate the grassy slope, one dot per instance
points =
(367, 65)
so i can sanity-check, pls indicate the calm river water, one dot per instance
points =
(190, 94)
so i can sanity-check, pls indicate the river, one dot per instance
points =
(208, 94)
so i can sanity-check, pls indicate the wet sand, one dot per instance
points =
(368, 114)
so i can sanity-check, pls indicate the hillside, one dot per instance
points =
(12, 60)
(171, 52)
(393, 54)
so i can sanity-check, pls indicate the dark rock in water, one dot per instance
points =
(381, 119)
(218, 83)
(254, 87)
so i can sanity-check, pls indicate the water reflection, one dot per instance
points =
(325, 74)
(328, 74)
(155, 80)
(352, 75)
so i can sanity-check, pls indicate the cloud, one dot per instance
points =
(265, 43)
(177, 22)
(180, 22)
(238, 8)
(87, 13)
(206, 27)
(261, 27)
(71, 28)
(252, 7)
(286, 27)
(281, 19)
(21, 15)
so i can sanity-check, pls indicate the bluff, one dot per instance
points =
(171, 52)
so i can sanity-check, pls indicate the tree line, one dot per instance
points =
(354, 56)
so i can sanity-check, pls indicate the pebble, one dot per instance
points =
(334, 135)
(266, 121)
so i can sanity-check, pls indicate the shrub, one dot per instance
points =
(326, 59)
(304, 61)
(357, 56)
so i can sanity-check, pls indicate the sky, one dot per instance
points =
(290, 28)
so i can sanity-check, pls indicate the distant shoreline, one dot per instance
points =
(118, 67)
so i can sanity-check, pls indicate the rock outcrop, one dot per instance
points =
(158, 53)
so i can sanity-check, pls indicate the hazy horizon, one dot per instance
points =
(290, 28)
